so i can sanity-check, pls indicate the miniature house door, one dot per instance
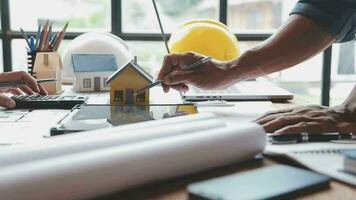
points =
(97, 84)
(129, 96)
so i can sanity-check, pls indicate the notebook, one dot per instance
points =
(325, 161)
(324, 157)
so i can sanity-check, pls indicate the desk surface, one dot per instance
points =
(175, 188)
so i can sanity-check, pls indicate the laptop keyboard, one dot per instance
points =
(230, 90)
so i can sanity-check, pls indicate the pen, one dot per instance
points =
(52, 40)
(38, 35)
(189, 67)
(32, 44)
(19, 83)
(308, 137)
(161, 27)
(24, 35)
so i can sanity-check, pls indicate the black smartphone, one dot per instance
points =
(274, 182)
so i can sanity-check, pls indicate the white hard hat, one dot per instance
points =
(95, 43)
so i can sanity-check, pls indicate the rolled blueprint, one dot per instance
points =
(105, 138)
(101, 171)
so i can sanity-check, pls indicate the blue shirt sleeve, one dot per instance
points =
(338, 17)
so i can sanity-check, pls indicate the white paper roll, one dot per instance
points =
(97, 172)
(104, 138)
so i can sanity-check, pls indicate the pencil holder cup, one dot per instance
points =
(49, 65)
(31, 56)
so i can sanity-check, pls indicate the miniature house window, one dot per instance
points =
(119, 96)
(87, 83)
(141, 97)
(105, 85)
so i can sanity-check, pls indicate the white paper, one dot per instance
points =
(92, 173)
(30, 128)
(108, 137)
(242, 112)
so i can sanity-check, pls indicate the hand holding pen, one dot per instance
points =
(191, 66)
(209, 75)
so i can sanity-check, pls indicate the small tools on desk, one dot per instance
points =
(308, 137)
(42, 57)
(45, 40)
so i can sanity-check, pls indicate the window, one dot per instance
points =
(119, 96)
(141, 97)
(87, 83)
(257, 16)
(139, 17)
(343, 71)
(306, 86)
(135, 22)
(104, 82)
(1, 62)
(84, 15)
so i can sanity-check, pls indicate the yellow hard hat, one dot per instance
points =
(207, 37)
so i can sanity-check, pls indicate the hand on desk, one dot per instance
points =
(30, 88)
(310, 119)
(210, 75)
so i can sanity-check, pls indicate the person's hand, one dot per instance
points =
(210, 75)
(309, 119)
(31, 87)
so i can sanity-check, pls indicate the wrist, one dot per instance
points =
(344, 113)
(247, 66)
(240, 72)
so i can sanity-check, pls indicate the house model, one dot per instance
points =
(126, 81)
(49, 65)
(91, 71)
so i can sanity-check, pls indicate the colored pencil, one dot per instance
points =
(60, 37)
(44, 36)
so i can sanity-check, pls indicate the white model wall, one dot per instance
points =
(79, 76)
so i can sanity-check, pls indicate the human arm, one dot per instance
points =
(297, 40)
(30, 88)
(311, 28)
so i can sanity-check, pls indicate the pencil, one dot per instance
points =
(12, 84)
(49, 35)
(44, 36)
(38, 37)
(189, 67)
(60, 37)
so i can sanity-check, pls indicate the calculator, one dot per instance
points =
(48, 101)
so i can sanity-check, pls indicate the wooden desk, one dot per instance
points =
(174, 189)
